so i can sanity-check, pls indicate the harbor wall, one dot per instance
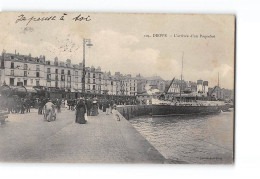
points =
(131, 111)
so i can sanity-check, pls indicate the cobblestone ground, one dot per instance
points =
(28, 138)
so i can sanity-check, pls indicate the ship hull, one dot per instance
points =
(225, 107)
(164, 110)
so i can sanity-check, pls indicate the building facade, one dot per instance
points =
(120, 84)
(22, 70)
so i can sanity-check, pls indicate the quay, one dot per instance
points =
(104, 139)
(131, 111)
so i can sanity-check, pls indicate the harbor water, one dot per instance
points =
(191, 139)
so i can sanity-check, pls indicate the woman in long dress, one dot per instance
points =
(80, 112)
(95, 107)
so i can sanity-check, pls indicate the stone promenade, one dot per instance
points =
(28, 138)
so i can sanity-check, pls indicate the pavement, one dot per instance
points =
(104, 139)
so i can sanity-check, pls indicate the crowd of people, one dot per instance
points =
(92, 106)
(17, 105)
(89, 106)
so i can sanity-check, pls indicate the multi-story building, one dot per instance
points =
(119, 84)
(21, 70)
(94, 80)
(218, 93)
(28, 72)
(174, 88)
(128, 85)
(111, 84)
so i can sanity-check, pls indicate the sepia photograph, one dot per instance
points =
(117, 88)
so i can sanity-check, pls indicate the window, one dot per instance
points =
(94, 87)
(94, 81)
(25, 66)
(37, 74)
(94, 75)
(76, 73)
(56, 71)
(99, 76)
(62, 72)
(56, 77)
(31, 81)
(62, 77)
(88, 75)
(48, 70)
(68, 72)
(25, 82)
(12, 72)
(11, 81)
(37, 67)
(56, 84)
(69, 85)
(49, 77)
(12, 65)
(88, 80)
(25, 73)
(69, 78)
(37, 83)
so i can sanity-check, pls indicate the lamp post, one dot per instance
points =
(86, 42)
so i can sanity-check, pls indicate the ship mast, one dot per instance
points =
(218, 79)
(181, 74)
(218, 87)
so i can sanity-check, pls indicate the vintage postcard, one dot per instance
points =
(117, 88)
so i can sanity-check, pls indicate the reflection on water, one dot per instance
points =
(193, 139)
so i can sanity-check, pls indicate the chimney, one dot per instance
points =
(56, 61)
(3, 60)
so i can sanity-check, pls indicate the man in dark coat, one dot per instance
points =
(89, 106)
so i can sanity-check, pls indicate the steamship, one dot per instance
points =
(185, 102)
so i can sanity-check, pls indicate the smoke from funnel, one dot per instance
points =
(149, 90)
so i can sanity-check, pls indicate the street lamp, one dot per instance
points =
(86, 42)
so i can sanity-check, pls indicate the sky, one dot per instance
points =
(119, 43)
